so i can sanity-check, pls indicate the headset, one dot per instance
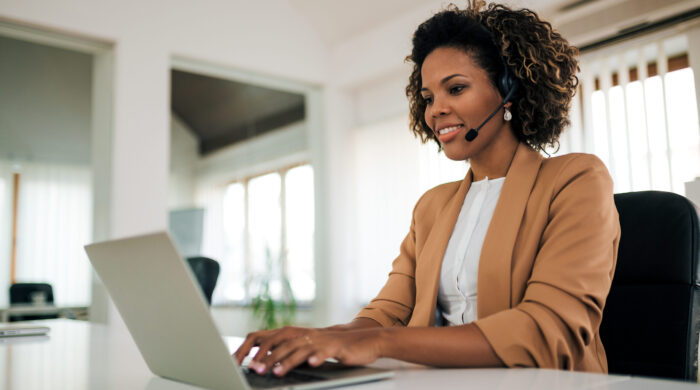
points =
(508, 86)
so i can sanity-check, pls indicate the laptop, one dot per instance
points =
(164, 309)
(16, 330)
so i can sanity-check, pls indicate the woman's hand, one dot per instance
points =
(266, 340)
(290, 347)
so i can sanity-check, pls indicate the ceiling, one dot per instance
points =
(222, 112)
(336, 21)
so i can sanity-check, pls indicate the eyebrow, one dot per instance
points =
(445, 79)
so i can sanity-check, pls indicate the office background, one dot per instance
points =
(90, 123)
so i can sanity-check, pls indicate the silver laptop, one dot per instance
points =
(168, 317)
(15, 330)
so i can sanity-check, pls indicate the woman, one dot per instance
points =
(519, 256)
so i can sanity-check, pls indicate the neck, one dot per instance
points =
(493, 162)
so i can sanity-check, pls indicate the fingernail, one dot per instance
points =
(277, 370)
(313, 360)
(260, 368)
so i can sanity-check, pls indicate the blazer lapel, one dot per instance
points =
(430, 264)
(494, 279)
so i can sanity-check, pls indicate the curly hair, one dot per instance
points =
(542, 61)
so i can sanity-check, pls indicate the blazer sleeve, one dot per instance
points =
(393, 305)
(564, 298)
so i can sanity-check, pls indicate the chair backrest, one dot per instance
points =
(31, 293)
(651, 318)
(206, 271)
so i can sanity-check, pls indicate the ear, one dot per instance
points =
(508, 105)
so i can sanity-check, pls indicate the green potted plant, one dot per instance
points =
(273, 309)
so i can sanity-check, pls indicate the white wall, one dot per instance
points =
(45, 99)
(379, 52)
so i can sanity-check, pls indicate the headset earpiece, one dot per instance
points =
(507, 84)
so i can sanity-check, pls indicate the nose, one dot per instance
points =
(439, 108)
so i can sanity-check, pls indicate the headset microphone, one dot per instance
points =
(472, 133)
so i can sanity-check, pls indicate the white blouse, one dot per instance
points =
(460, 266)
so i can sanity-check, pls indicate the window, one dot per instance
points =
(640, 113)
(266, 226)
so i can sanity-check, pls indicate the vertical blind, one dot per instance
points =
(640, 113)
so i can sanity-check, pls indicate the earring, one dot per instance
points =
(507, 115)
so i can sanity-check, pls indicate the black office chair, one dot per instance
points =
(652, 315)
(206, 271)
(29, 294)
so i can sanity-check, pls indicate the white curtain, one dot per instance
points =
(54, 223)
(392, 170)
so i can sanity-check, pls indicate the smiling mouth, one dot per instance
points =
(449, 129)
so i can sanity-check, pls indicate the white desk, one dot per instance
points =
(79, 355)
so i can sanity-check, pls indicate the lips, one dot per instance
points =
(447, 133)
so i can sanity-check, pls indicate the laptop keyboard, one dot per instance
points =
(269, 380)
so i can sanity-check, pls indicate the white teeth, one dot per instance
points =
(449, 129)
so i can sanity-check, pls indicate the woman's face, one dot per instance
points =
(459, 96)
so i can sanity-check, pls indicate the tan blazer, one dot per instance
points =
(546, 264)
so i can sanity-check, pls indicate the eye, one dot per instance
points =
(428, 100)
(454, 90)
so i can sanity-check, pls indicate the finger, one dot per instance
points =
(270, 343)
(265, 346)
(253, 339)
(296, 358)
(282, 351)
(317, 358)
(246, 346)
(331, 349)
